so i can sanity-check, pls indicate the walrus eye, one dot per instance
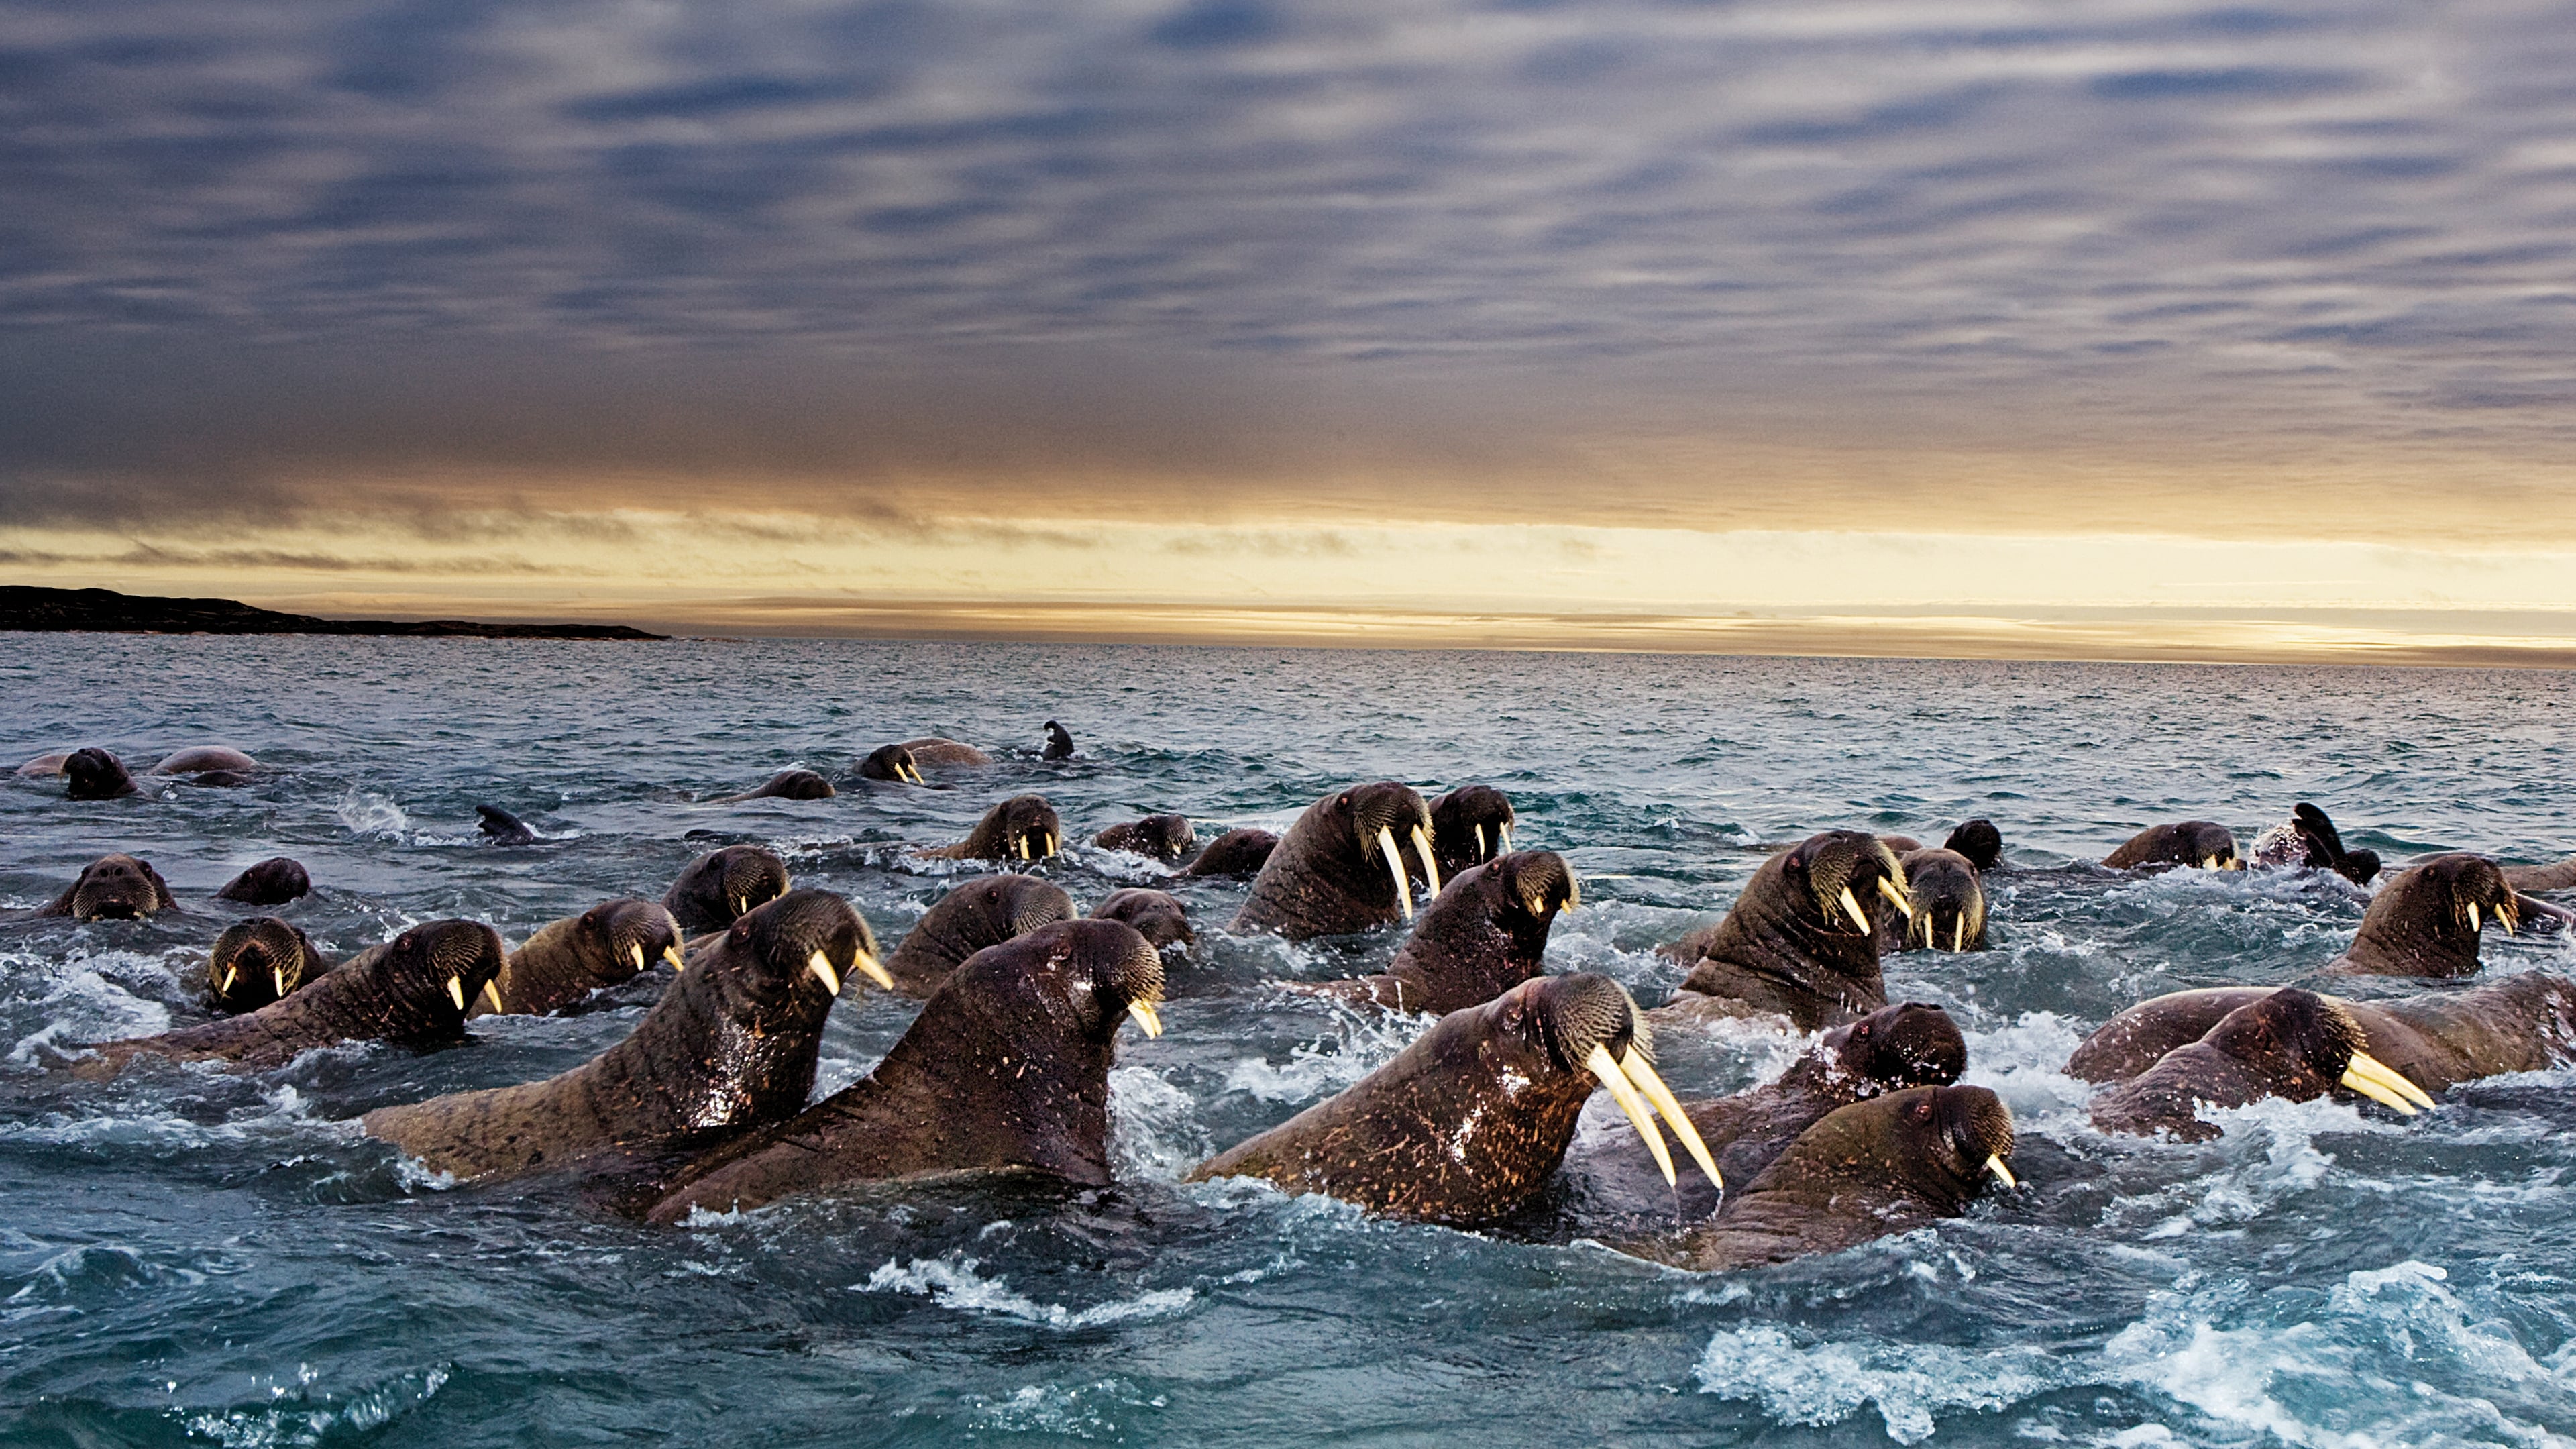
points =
(1921, 1111)
(1861, 1031)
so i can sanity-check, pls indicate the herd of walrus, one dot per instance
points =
(703, 1108)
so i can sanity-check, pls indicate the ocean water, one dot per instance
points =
(198, 1255)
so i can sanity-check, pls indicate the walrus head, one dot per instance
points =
(115, 888)
(1909, 1044)
(1157, 915)
(1237, 853)
(2289, 1043)
(1951, 1140)
(255, 962)
(2202, 843)
(1949, 901)
(272, 882)
(1059, 745)
(1588, 1024)
(1839, 875)
(890, 762)
(96, 775)
(638, 933)
(1471, 825)
(1379, 818)
(1162, 837)
(1023, 827)
(1535, 885)
(796, 950)
(429, 972)
(2427, 921)
(1980, 842)
(1103, 971)
(715, 890)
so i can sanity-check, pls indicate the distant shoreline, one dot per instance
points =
(105, 611)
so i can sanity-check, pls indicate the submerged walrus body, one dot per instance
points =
(411, 991)
(2427, 921)
(1485, 933)
(1006, 1068)
(980, 913)
(935, 753)
(1341, 868)
(2202, 843)
(2289, 1043)
(567, 960)
(258, 961)
(719, 887)
(785, 785)
(1166, 838)
(1023, 827)
(1800, 941)
(1236, 855)
(272, 882)
(113, 888)
(1158, 916)
(731, 1046)
(210, 764)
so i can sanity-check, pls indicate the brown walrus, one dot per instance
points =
(1007, 1067)
(1166, 838)
(1023, 827)
(975, 915)
(207, 761)
(410, 991)
(731, 1046)
(567, 960)
(1481, 936)
(112, 888)
(2559, 877)
(43, 766)
(890, 762)
(96, 775)
(1339, 869)
(718, 887)
(1158, 916)
(2523, 1023)
(2202, 843)
(257, 961)
(1470, 825)
(935, 752)
(272, 882)
(1881, 1166)
(1237, 854)
(2426, 921)
(785, 785)
(1949, 904)
(1911, 1044)
(2308, 840)
(1465, 1126)
(1059, 745)
(2289, 1043)
(1799, 941)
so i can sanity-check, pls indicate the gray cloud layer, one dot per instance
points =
(1225, 235)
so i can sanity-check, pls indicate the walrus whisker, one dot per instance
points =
(1642, 1073)
(821, 966)
(1395, 868)
(2003, 1174)
(1851, 903)
(1430, 866)
(1640, 1116)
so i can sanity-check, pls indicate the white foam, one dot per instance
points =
(1154, 1130)
(364, 1411)
(952, 1282)
(363, 812)
(1826, 1383)
(1317, 1069)
(1082, 1411)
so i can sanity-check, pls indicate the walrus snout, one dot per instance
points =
(1125, 975)
(95, 774)
(805, 940)
(1471, 825)
(1539, 882)
(1386, 816)
(114, 888)
(891, 762)
(1589, 1023)
(1974, 1126)
(1844, 868)
(640, 933)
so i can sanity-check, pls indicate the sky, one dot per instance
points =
(2091, 328)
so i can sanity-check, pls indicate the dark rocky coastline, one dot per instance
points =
(106, 611)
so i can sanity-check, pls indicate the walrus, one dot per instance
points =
(1798, 942)
(272, 882)
(97, 775)
(1237, 854)
(2435, 1041)
(500, 827)
(211, 764)
(2201, 843)
(1886, 1165)
(1158, 916)
(983, 912)
(1156, 837)
(1465, 1126)
(935, 752)
(1911, 1044)
(1470, 825)
(257, 961)
(565, 961)
(715, 889)
(1059, 745)
(2559, 877)
(1949, 898)
(2288, 1043)
(2427, 920)
(1023, 827)
(1978, 842)
(890, 762)
(1007, 1067)
(785, 785)
(1339, 870)
(410, 991)
(731, 1046)
(43, 766)
(1481, 936)
(2309, 841)
(112, 888)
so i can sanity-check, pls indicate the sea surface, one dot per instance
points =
(202, 1255)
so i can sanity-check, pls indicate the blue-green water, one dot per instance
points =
(199, 1255)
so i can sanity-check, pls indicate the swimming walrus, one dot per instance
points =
(785, 785)
(714, 890)
(43, 766)
(1949, 898)
(1166, 838)
(2288, 1043)
(1006, 1067)
(1158, 916)
(410, 991)
(1911, 1044)
(890, 762)
(2428, 919)
(1023, 827)
(935, 752)
(1237, 854)
(1481, 936)
(1881, 1166)
(2435, 1041)
(2202, 843)
(1339, 869)
(500, 827)
(2309, 841)
(2559, 877)
(1470, 825)
(112, 888)
(1465, 1126)
(272, 882)
(1059, 745)
(565, 961)
(729, 1047)
(210, 764)
(982, 912)
(1798, 942)
(97, 775)
(257, 961)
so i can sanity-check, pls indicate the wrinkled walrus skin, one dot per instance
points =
(2427, 920)
(1485, 933)
(1345, 866)
(565, 961)
(729, 1047)
(2291, 1044)
(975, 915)
(1800, 941)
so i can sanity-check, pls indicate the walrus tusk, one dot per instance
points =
(1642, 1072)
(492, 994)
(231, 975)
(2209, 862)
(2474, 922)
(821, 966)
(1851, 903)
(1020, 843)
(456, 991)
(1395, 867)
(671, 953)
(872, 968)
(277, 976)
(635, 951)
(1639, 1114)
(1479, 828)
(1503, 833)
(1052, 842)
(1573, 891)
(1896, 894)
(741, 905)
(2003, 1174)
(2383, 1084)
(1959, 932)
(1430, 867)
(1146, 1017)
